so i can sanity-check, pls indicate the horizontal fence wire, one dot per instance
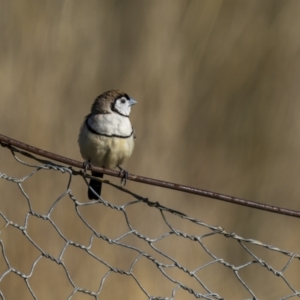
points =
(190, 281)
(8, 142)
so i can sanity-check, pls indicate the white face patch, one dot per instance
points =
(123, 106)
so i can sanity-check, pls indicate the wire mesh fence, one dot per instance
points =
(59, 245)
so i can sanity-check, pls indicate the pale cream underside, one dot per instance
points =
(104, 151)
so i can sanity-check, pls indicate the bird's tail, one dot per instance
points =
(96, 186)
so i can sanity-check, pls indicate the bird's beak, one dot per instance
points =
(132, 102)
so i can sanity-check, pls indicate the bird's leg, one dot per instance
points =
(124, 175)
(86, 165)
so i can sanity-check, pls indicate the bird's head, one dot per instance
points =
(113, 101)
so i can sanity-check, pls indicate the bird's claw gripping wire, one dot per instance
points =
(86, 166)
(124, 175)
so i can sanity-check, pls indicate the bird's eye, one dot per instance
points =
(123, 100)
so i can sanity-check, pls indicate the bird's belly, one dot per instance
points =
(118, 151)
(104, 151)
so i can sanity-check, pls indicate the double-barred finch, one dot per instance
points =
(106, 137)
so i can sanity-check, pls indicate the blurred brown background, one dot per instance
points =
(217, 85)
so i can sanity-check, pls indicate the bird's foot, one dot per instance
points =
(86, 166)
(124, 175)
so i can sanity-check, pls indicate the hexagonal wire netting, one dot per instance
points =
(137, 256)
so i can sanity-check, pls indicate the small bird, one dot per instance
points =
(106, 137)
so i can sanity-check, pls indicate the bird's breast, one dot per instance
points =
(110, 124)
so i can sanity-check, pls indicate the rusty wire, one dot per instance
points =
(160, 258)
(8, 142)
